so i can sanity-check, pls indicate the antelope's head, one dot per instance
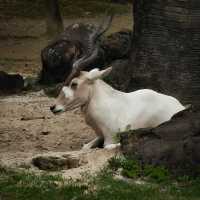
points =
(75, 91)
(79, 91)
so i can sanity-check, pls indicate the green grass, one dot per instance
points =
(133, 169)
(69, 8)
(28, 186)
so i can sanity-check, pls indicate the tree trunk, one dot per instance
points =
(166, 48)
(54, 21)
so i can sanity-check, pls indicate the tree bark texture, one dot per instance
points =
(54, 21)
(166, 48)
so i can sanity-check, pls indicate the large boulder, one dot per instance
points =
(174, 144)
(10, 83)
(54, 163)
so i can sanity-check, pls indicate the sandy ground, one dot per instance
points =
(27, 127)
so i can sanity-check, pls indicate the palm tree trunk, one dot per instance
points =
(166, 48)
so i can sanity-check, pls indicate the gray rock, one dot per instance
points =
(174, 144)
(55, 163)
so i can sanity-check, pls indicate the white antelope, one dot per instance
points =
(109, 111)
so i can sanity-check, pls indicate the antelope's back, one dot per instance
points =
(150, 108)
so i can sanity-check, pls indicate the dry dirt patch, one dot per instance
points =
(27, 125)
(29, 130)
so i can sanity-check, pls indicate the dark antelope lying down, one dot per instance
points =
(78, 45)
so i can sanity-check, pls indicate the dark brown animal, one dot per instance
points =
(77, 47)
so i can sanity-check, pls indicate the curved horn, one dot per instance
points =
(80, 64)
(91, 52)
(101, 29)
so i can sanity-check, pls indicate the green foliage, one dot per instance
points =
(115, 163)
(130, 168)
(157, 173)
(19, 185)
(184, 178)
(133, 169)
(22, 186)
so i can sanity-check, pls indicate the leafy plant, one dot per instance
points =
(157, 173)
(131, 168)
(115, 163)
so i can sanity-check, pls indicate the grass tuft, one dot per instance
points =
(133, 169)
(20, 185)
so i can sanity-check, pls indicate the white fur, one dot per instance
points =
(112, 111)
(67, 92)
(109, 111)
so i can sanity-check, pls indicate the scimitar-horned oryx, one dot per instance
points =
(109, 111)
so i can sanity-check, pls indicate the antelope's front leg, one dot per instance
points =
(109, 141)
(94, 143)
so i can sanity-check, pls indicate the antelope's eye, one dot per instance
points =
(74, 85)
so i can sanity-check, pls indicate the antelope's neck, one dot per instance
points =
(103, 105)
(102, 93)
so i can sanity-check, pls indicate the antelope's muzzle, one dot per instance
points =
(55, 110)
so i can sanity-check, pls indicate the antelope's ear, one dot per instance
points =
(105, 72)
(96, 74)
